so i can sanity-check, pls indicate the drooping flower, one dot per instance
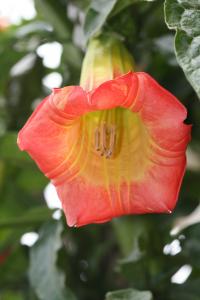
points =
(112, 146)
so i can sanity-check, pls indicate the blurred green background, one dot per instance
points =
(145, 257)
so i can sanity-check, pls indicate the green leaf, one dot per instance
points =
(8, 57)
(47, 280)
(97, 15)
(122, 4)
(130, 235)
(184, 17)
(82, 4)
(173, 12)
(129, 294)
(34, 27)
(100, 10)
(188, 56)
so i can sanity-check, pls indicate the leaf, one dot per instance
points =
(96, 16)
(33, 27)
(188, 56)
(100, 10)
(21, 91)
(129, 294)
(122, 4)
(8, 57)
(82, 4)
(184, 17)
(183, 222)
(130, 235)
(47, 280)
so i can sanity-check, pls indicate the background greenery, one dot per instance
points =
(133, 256)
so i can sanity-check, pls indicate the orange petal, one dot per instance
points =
(145, 170)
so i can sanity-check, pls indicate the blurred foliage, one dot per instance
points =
(43, 270)
(96, 16)
(128, 295)
(126, 255)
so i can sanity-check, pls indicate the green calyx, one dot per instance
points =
(106, 58)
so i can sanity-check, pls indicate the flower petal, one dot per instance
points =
(114, 93)
(143, 176)
(162, 113)
(48, 136)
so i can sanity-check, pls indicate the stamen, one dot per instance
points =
(105, 138)
(97, 139)
(112, 142)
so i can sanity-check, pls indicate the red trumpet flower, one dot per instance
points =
(114, 145)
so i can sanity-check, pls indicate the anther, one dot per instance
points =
(97, 139)
(105, 138)
(111, 142)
